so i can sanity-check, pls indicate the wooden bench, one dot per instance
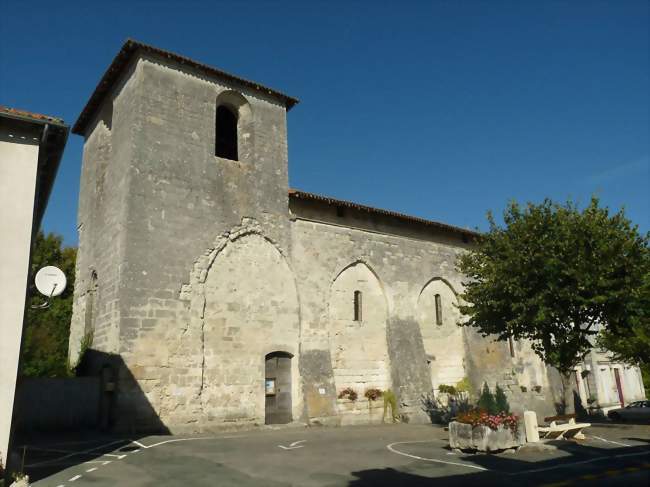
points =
(568, 428)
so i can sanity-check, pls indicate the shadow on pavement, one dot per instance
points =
(123, 414)
(580, 462)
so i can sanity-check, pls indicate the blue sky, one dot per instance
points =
(441, 109)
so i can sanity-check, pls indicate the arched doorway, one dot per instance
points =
(277, 388)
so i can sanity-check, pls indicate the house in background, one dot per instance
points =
(31, 146)
(603, 383)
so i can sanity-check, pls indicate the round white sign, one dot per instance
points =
(50, 281)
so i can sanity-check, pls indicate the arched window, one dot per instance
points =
(357, 305)
(438, 310)
(226, 133)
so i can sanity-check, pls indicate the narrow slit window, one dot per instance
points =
(357, 305)
(511, 344)
(226, 133)
(438, 310)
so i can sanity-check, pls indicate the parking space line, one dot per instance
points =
(76, 477)
(390, 448)
(608, 441)
(72, 454)
(190, 439)
(523, 472)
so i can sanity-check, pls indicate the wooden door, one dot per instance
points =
(619, 388)
(277, 386)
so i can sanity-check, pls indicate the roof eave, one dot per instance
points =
(413, 219)
(124, 56)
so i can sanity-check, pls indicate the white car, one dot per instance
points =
(635, 411)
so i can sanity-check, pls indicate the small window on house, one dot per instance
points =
(357, 305)
(511, 344)
(226, 133)
(438, 310)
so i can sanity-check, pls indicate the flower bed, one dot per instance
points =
(493, 421)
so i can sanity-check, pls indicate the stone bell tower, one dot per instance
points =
(175, 154)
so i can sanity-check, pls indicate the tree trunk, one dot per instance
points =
(567, 400)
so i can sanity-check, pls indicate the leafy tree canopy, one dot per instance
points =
(554, 275)
(630, 341)
(45, 345)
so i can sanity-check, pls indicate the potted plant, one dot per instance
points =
(488, 427)
(348, 393)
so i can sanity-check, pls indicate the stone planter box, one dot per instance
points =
(482, 438)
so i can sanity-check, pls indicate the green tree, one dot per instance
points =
(629, 340)
(45, 345)
(486, 400)
(501, 401)
(553, 274)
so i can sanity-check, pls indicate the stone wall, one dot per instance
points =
(333, 259)
(102, 220)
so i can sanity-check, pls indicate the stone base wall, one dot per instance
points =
(361, 411)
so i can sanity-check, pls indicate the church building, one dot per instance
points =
(211, 294)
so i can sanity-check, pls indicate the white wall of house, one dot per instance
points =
(18, 171)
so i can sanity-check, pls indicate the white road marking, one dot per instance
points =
(139, 444)
(73, 454)
(106, 462)
(119, 457)
(571, 464)
(608, 441)
(192, 439)
(136, 451)
(534, 470)
(390, 448)
(91, 469)
(294, 445)
(632, 454)
(76, 477)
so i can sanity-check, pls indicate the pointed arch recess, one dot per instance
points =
(359, 349)
(370, 267)
(443, 343)
(229, 341)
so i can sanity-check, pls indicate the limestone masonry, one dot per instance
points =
(218, 296)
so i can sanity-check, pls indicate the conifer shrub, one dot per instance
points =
(501, 401)
(487, 401)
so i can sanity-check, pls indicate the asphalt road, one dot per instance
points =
(387, 455)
